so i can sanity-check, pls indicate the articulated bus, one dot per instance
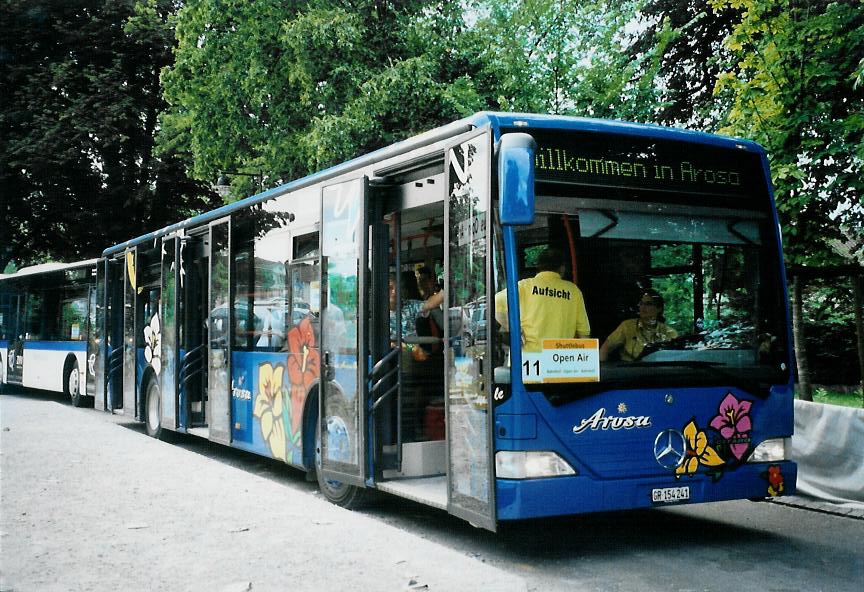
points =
(281, 324)
(46, 317)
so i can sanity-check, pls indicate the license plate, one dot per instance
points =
(670, 494)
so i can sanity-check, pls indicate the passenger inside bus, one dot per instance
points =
(411, 305)
(632, 335)
(430, 321)
(433, 294)
(550, 306)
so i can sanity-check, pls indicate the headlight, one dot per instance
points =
(769, 451)
(531, 464)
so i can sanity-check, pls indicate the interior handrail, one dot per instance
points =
(390, 355)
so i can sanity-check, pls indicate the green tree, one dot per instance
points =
(568, 57)
(80, 98)
(686, 39)
(793, 89)
(288, 88)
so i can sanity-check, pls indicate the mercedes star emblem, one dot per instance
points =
(670, 448)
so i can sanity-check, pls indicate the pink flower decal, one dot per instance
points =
(733, 423)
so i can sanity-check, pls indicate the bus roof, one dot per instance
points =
(47, 267)
(496, 120)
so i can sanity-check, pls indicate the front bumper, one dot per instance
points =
(580, 494)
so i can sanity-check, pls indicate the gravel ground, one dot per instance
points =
(87, 504)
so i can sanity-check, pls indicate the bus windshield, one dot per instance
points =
(709, 274)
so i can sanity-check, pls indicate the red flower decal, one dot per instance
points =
(303, 368)
(775, 480)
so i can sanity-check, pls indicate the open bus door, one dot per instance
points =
(343, 369)
(204, 307)
(94, 340)
(113, 366)
(193, 307)
(467, 267)
(170, 331)
(15, 353)
(129, 349)
(99, 337)
(218, 409)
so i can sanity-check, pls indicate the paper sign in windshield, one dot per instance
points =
(563, 360)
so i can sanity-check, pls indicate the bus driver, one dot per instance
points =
(550, 307)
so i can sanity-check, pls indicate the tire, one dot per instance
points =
(153, 410)
(343, 495)
(72, 385)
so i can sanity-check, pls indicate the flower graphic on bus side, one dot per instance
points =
(153, 344)
(733, 423)
(303, 369)
(698, 451)
(775, 480)
(269, 404)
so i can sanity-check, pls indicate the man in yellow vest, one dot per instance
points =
(550, 307)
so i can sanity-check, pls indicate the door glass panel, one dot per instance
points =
(342, 243)
(470, 478)
(115, 291)
(97, 338)
(92, 343)
(220, 331)
(15, 359)
(130, 283)
(169, 333)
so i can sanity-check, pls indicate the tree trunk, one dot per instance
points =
(858, 290)
(805, 389)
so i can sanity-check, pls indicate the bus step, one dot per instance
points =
(428, 490)
(200, 432)
(421, 459)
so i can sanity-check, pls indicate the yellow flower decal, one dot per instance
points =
(698, 451)
(268, 408)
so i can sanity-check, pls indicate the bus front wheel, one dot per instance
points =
(72, 384)
(346, 496)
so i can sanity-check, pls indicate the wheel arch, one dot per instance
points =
(67, 364)
(310, 417)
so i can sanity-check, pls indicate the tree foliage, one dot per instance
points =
(288, 88)
(80, 100)
(687, 38)
(792, 86)
(568, 57)
(278, 89)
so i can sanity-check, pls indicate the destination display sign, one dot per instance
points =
(604, 160)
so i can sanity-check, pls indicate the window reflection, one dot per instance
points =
(275, 270)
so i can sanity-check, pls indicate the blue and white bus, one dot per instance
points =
(281, 324)
(46, 315)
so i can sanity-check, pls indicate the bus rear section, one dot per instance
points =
(683, 392)
(46, 315)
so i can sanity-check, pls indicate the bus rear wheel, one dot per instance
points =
(153, 410)
(72, 384)
(346, 496)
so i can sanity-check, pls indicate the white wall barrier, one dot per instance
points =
(828, 446)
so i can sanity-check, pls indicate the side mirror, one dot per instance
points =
(516, 178)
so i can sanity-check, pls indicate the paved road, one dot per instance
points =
(727, 546)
